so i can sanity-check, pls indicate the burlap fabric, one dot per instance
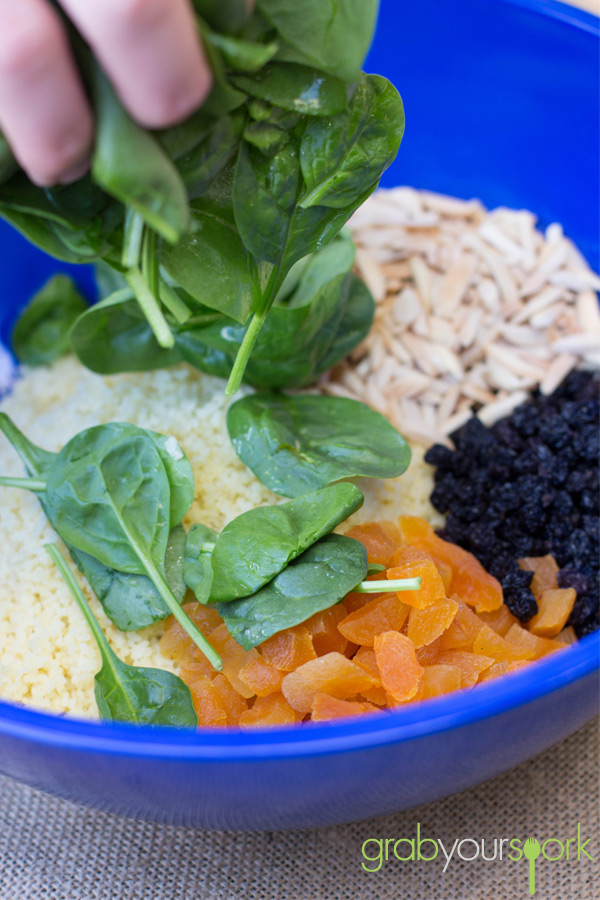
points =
(51, 850)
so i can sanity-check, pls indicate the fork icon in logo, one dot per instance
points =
(531, 851)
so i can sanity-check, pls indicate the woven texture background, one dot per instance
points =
(52, 850)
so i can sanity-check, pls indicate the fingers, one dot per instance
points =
(151, 51)
(44, 113)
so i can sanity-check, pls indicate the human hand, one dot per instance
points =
(150, 50)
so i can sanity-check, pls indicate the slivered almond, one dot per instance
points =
(453, 286)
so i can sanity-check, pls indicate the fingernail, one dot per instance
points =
(75, 172)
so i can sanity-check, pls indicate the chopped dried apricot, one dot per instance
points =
(385, 612)
(501, 668)
(323, 629)
(365, 657)
(437, 680)
(554, 608)
(330, 674)
(380, 540)
(325, 707)
(489, 643)
(192, 665)
(567, 635)
(524, 640)
(233, 657)
(499, 619)
(261, 677)
(545, 569)
(405, 553)
(207, 702)
(288, 649)
(463, 629)
(432, 586)
(399, 668)
(175, 642)
(469, 579)
(426, 625)
(470, 664)
(268, 712)
(232, 702)
(428, 653)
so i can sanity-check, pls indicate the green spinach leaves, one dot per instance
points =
(299, 444)
(127, 693)
(41, 333)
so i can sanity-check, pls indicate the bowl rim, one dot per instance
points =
(462, 708)
(563, 11)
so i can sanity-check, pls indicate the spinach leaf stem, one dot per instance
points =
(379, 587)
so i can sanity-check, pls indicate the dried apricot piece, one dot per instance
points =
(405, 553)
(176, 642)
(567, 635)
(463, 629)
(470, 664)
(432, 586)
(233, 657)
(500, 619)
(524, 640)
(365, 657)
(325, 707)
(386, 612)
(330, 674)
(437, 680)
(380, 540)
(323, 629)
(501, 668)
(469, 579)
(399, 668)
(207, 702)
(191, 667)
(261, 677)
(232, 702)
(288, 649)
(428, 653)
(489, 643)
(545, 569)
(268, 712)
(555, 605)
(426, 625)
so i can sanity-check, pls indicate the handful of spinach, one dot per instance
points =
(205, 220)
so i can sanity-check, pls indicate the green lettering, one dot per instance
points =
(411, 844)
(518, 850)
(374, 859)
(581, 847)
(421, 841)
(552, 841)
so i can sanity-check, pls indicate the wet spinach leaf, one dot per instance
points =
(129, 163)
(257, 545)
(332, 35)
(41, 332)
(316, 580)
(127, 693)
(242, 55)
(299, 444)
(197, 571)
(297, 88)
(343, 155)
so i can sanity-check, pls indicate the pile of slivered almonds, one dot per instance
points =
(474, 309)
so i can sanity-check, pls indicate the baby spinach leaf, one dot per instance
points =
(197, 571)
(257, 545)
(41, 332)
(241, 55)
(316, 580)
(212, 264)
(299, 444)
(131, 601)
(74, 206)
(178, 469)
(127, 693)
(108, 494)
(225, 15)
(115, 336)
(297, 88)
(355, 324)
(203, 162)
(8, 163)
(332, 35)
(344, 155)
(130, 164)
(43, 234)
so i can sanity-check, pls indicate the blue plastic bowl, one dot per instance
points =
(501, 101)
